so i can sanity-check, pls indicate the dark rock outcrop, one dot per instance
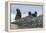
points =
(30, 22)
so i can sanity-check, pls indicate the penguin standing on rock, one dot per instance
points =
(35, 14)
(29, 13)
(18, 15)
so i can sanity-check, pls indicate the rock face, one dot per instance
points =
(29, 22)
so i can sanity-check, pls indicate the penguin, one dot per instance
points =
(18, 15)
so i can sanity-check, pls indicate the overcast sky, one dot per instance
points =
(24, 9)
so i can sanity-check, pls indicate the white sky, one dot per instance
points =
(24, 9)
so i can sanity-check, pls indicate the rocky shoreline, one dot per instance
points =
(29, 22)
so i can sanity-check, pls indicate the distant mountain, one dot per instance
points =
(29, 22)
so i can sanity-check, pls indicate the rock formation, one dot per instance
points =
(30, 22)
